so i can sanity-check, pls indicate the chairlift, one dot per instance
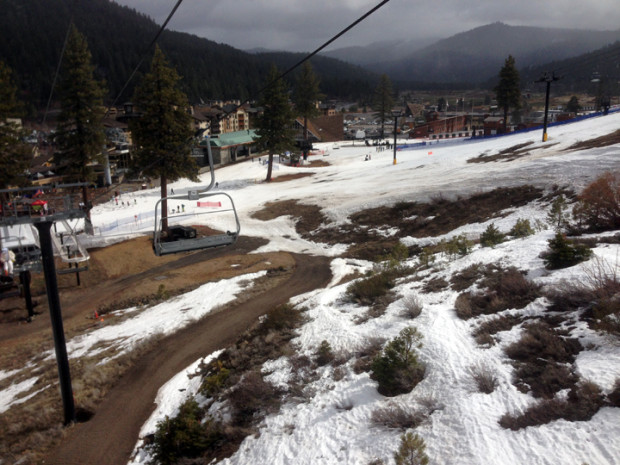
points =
(181, 238)
(69, 248)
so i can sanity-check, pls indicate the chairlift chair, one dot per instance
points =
(183, 239)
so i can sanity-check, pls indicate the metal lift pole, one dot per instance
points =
(51, 284)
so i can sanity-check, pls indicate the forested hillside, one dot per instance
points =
(32, 34)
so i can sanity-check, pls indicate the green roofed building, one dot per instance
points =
(227, 147)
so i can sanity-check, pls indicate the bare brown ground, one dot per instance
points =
(290, 177)
(603, 141)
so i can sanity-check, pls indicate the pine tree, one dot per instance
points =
(508, 91)
(79, 136)
(14, 154)
(306, 94)
(573, 105)
(163, 134)
(383, 100)
(274, 125)
(412, 450)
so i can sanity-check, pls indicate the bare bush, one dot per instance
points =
(543, 358)
(484, 378)
(598, 206)
(484, 333)
(396, 416)
(505, 289)
(412, 306)
(582, 403)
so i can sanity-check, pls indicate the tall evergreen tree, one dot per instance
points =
(383, 100)
(79, 136)
(274, 126)
(15, 155)
(508, 90)
(163, 134)
(306, 95)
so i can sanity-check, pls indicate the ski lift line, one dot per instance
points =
(307, 57)
(144, 54)
(62, 54)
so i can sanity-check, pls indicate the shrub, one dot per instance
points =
(252, 395)
(324, 354)
(412, 306)
(558, 217)
(543, 359)
(504, 289)
(436, 284)
(397, 417)
(563, 253)
(367, 290)
(397, 369)
(598, 206)
(583, 401)
(366, 354)
(426, 257)
(184, 435)
(491, 236)
(522, 228)
(466, 277)
(456, 246)
(483, 377)
(485, 332)
(412, 450)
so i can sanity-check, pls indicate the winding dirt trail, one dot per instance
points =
(109, 436)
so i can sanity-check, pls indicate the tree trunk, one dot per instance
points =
(305, 152)
(269, 166)
(164, 203)
(505, 120)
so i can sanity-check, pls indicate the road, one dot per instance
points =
(109, 437)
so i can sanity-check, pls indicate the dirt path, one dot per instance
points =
(111, 434)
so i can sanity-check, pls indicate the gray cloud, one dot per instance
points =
(299, 25)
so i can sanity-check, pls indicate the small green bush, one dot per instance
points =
(456, 246)
(397, 369)
(522, 228)
(412, 450)
(563, 253)
(491, 236)
(368, 290)
(558, 216)
(324, 354)
(184, 436)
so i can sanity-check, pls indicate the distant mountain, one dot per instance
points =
(32, 33)
(476, 55)
(393, 50)
(595, 72)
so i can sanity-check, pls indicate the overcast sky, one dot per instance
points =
(304, 25)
